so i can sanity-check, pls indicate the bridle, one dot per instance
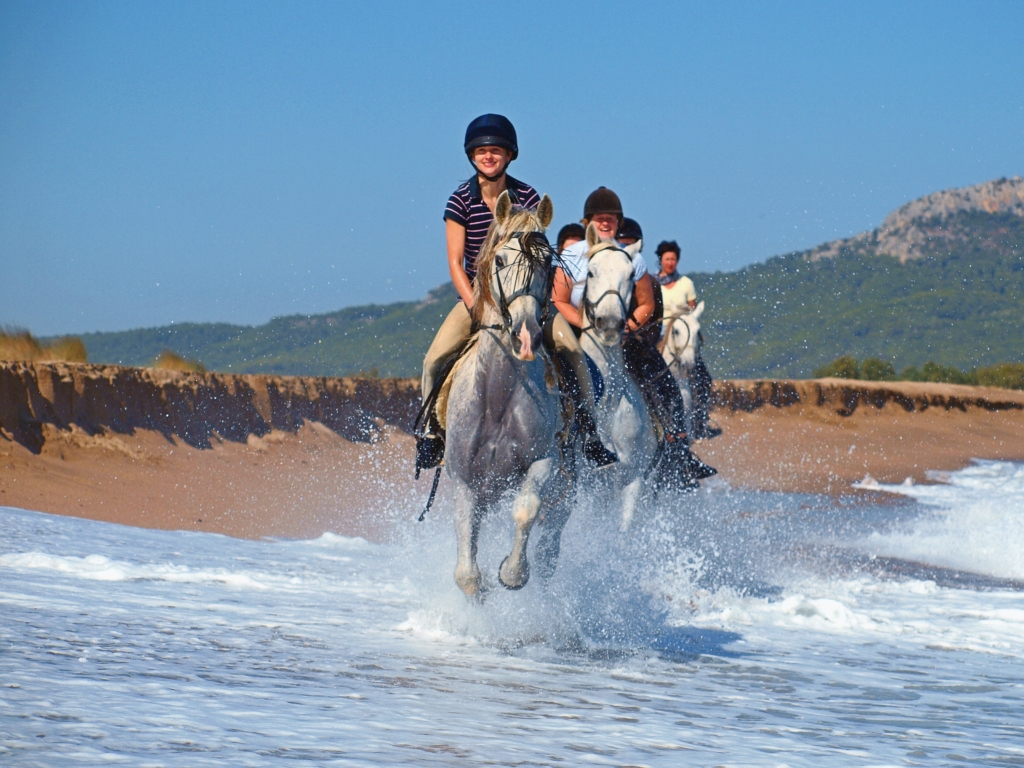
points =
(678, 351)
(590, 307)
(534, 246)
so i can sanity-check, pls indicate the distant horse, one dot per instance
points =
(503, 409)
(682, 347)
(621, 415)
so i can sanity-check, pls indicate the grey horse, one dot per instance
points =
(682, 347)
(620, 413)
(503, 409)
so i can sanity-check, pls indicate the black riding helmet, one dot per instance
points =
(629, 228)
(570, 230)
(491, 131)
(602, 200)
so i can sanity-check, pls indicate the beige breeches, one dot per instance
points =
(452, 334)
(455, 330)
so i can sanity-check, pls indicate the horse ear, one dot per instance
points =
(634, 249)
(503, 207)
(545, 211)
(592, 236)
(697, 312)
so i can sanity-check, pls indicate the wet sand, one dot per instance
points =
(294, 485)
(813, 450)
(299, 477)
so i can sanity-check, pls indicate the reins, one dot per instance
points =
(535, 244)
(590, 307)
(689, 336)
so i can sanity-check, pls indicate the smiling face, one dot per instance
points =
(606, 224)
(491, 161)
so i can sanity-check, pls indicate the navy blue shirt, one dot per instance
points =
(467, 207)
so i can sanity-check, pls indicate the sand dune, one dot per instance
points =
(258, 456)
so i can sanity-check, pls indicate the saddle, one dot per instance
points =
(436, 403)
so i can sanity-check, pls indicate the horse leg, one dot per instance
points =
(550, 542)
(515, 570)
(467, 529)
(630, 497)
(687, 393)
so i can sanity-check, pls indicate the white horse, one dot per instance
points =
(682, 346)
(620, 413)
(503, 409)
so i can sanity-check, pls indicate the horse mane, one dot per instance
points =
(536, 248)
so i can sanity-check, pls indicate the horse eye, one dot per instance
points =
(590, 273)
(501, 262)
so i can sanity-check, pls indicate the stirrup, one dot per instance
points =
(429, 452)
(595, 453)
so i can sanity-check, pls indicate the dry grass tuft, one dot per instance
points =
(171, 361)
(69, 349)
(19, 344)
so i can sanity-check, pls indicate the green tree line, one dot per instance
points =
(1006, 375)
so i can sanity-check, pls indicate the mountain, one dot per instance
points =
(388, 338)
(942, 278)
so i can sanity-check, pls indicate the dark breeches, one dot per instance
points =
(700, 382)
(658, 386)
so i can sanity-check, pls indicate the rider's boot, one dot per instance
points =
(689, 468)
(429, 447)
(593, 449)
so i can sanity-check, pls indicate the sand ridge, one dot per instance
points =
(255, 456)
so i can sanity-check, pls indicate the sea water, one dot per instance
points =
(727, 628)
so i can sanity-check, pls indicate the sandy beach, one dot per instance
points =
(252, 456)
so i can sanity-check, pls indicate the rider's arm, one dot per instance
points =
(644, 292)
(456, 236)
(561, 295)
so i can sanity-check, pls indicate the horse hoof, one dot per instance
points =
(513, 587)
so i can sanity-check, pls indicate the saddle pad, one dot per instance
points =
(441, 404)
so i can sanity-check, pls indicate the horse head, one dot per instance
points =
(609, 289)
(682, 343)
(513, 285)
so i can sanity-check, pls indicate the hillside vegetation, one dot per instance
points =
(962, 304)
(940, 281)
(1005, 375)
(388, 338)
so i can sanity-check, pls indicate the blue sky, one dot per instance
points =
(168, 162)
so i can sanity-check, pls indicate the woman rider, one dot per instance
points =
(678, 291)
(491, 144)
(568, 235)
(681, 298)
(604, 210)
(628, 234)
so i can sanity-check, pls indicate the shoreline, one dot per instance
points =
(254, 455)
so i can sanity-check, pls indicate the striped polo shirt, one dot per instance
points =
(467, 207)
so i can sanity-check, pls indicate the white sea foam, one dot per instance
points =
(977, 524)
(100, 568)
(727, 629)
